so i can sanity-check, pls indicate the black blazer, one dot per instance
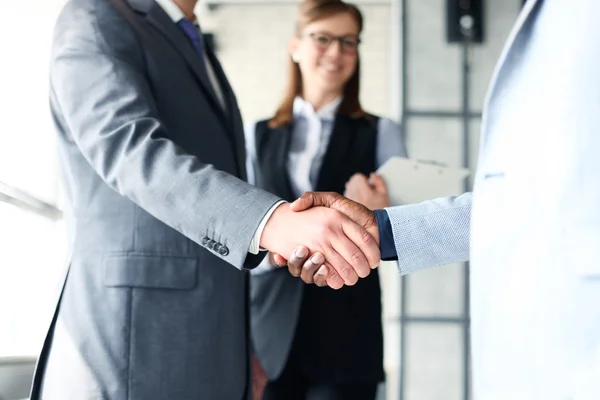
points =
(311, 327)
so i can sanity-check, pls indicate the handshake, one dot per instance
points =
(330, 239)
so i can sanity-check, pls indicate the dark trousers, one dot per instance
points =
(293, 385)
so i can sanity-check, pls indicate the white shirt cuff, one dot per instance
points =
(255, 243)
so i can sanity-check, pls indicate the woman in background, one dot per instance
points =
(318, 343)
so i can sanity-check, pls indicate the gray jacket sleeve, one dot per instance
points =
(431, 233)
(98, 83)
(390, 141)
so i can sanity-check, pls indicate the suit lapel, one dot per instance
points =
(236, 124)
(520, 22)
(526, 13)
(156, 16)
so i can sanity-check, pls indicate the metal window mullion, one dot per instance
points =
(26, 202)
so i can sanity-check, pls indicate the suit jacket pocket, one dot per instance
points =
(150, 271)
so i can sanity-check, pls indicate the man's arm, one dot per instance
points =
(431, 233)
(417, 236)
(101, 97)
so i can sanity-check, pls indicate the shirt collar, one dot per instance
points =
(172, 10)
(304, 108)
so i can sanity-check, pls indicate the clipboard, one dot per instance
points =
(411, 181)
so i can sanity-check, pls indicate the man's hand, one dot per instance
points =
(312, 270)
(350, 250)
(355, 211)
(371, 192)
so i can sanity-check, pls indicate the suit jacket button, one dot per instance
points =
(217, 247)
(204, 241)
(211, 244)
(223, 251)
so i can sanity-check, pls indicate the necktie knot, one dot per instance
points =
(192, 31)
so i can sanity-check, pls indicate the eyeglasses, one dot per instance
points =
(348, 44)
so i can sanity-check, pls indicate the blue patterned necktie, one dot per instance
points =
(193, 33)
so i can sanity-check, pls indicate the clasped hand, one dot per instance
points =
(331, 240)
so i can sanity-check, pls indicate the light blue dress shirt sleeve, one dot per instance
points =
(390, 141)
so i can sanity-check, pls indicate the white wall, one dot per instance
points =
(31, 247)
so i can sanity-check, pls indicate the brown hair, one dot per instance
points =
(310, 11)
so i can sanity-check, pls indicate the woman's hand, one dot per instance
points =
(371, 192)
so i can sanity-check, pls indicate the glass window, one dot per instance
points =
(32, 260)
(32, 247)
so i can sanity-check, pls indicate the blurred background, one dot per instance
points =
(424, 63)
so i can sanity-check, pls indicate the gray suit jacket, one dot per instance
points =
(154, 305)
(534, 237)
